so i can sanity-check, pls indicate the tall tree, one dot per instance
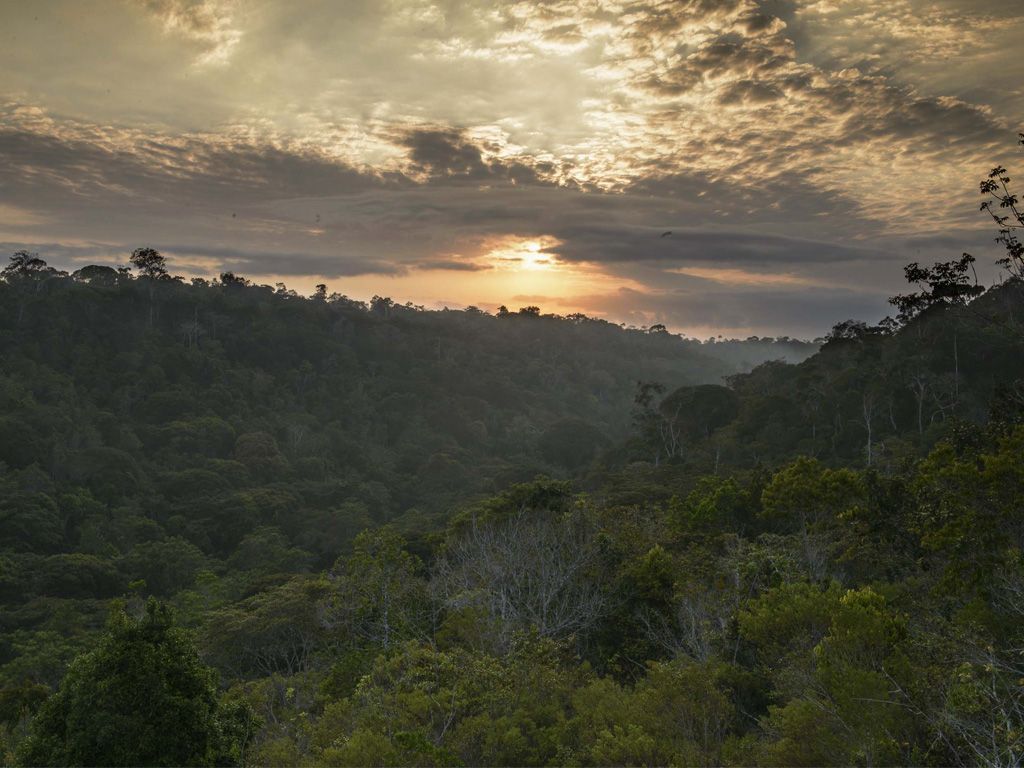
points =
(380, 596)
(23, 263)
(142, 697)
(27, 266)
(149, 261)
(948, 283)
(151, 264)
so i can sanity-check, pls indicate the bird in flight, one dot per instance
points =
(666, 234)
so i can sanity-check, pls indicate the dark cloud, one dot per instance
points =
(212, 259)
(731, 54)
(445, 153)
(452, 265)
(448, 154)
(294, 263)
(602, 243)
(942, 122)
(71, 256)
(48, 169)
(674, 82)
(749, 92)
(755, 22)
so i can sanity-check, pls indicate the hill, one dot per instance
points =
(421, 537)
(121, 384)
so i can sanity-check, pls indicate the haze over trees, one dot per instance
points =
(240, 526)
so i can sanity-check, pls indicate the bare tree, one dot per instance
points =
(698, 622)
(532, 570)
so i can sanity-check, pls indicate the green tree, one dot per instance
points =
(277, 631)
(572, 443)
(380, 596)
(849, 712)
(809, 500)
(142, 697)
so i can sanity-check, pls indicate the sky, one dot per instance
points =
(728, 167)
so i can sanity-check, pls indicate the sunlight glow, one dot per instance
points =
(736, 276)
(522, 253)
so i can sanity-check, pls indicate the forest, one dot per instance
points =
(240, 526)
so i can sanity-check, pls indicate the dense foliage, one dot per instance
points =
(447, 538)
(142, 697)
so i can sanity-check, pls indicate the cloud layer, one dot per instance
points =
(798, 152)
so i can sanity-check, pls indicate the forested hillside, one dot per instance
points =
(384, 535)
(119, 384)
(876, 396)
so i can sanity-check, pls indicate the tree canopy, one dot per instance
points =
(394, 536)
(140, 697)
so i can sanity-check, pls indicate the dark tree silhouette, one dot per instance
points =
(23, 263)
(150, 262)
(947, 283)
(231, 280)
(1008, 215)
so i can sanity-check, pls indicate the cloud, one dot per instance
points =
(48, 163)
(590, 242)
(822, 143)
(273, 208)
(200, 259)
(450, 154)
(862, 32)
(452, 265)
(749, 92)
(207, 23)
(295, 263)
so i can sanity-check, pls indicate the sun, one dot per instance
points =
(535, 258)
(514, 253)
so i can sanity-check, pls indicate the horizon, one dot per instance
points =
(733, 168)
(281, 288)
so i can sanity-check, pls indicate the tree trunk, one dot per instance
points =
(867, 408)
(956, 367)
